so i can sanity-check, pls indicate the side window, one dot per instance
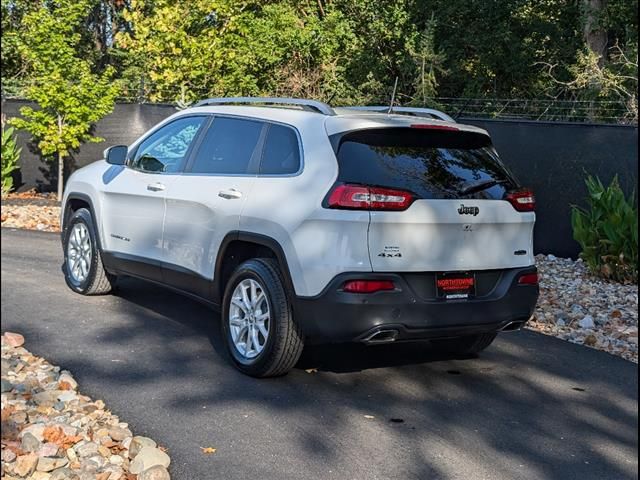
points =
(164, 150)
(227, 146)
(281, 154)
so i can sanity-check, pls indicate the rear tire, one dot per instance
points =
(87, 275)
(256, 302)
(469, 345)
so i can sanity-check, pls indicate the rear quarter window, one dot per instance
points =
(431, 164)
(281, 154)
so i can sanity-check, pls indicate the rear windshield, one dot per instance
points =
(429, 163)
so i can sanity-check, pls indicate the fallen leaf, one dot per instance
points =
(311, 370)
(163, 448)
(6, 412)
(57, 436)
(369, 416)
(64, 385)
(208, 450)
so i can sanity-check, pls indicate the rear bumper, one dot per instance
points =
(337, 316)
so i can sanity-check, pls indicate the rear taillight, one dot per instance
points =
(528, 279)
(368, 286)
(522, 200)
(362, 197)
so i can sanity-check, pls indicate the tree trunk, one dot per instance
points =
(60, 176)
(595, 33)
(60, 163)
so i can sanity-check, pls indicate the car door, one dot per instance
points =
(205, 202)
(134, 199)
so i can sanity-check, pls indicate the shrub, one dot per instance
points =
(10, 156)
(607, 231)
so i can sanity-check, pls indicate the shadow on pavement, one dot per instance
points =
(523, 402)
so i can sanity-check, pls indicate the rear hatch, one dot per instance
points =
(440, 199)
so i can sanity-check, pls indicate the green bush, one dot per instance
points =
(608, 231)
(10, 156)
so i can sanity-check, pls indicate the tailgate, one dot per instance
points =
(438, 235)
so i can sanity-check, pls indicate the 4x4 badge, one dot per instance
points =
(468, 210)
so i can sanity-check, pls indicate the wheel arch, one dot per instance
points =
(239, 246)
(74, 202)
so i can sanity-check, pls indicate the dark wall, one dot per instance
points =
(124, 125)
(551, 158)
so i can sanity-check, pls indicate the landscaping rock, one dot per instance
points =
(25, 464)
(581, 308)
(13, 339)
(30, 443)
(148, 457)
(87, 449)
(119, 434)
(32, 217)
(157, 472)
(46, 464)
(587, 322)
(50, 431)
(138, 443)
(6, 386)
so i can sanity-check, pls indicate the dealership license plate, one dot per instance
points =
(455, 285)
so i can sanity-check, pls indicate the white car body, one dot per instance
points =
(185, 223)
(179, 223)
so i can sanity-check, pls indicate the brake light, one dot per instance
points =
(362, 197)
(428, 126)
(368, 286)
(522, 201)
(528, 279)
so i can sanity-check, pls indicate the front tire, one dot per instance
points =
(83, 268)
(262, 337)
(469, 345)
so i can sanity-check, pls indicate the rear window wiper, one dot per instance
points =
(481, 185)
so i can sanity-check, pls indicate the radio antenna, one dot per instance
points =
(393, 96)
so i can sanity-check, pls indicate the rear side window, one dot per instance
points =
(281, 154)
(227, 146)
(431, 164)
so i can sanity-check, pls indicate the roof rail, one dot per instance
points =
(418, 112)
(306, 104)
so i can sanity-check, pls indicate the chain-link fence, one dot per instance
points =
(550, 110)
(541, 109)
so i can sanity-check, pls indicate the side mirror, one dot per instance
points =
(116, 155)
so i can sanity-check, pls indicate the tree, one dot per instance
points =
(10, 157)
(70, 97)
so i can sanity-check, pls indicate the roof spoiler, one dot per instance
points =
(414, 111)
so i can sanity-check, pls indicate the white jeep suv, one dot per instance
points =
(305, 223)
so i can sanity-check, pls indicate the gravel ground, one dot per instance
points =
(574, 305)
(580, 308)
(52, 432)
(31, 217)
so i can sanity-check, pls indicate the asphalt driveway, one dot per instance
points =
(530, 407)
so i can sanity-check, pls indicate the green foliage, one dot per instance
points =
(349, 51)
(70, 97)
(608, 231)
(10, 156)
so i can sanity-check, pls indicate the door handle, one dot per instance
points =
(230, 194)
(155, 187)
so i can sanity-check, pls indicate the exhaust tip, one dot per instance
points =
(513, 326)
(381, 336)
